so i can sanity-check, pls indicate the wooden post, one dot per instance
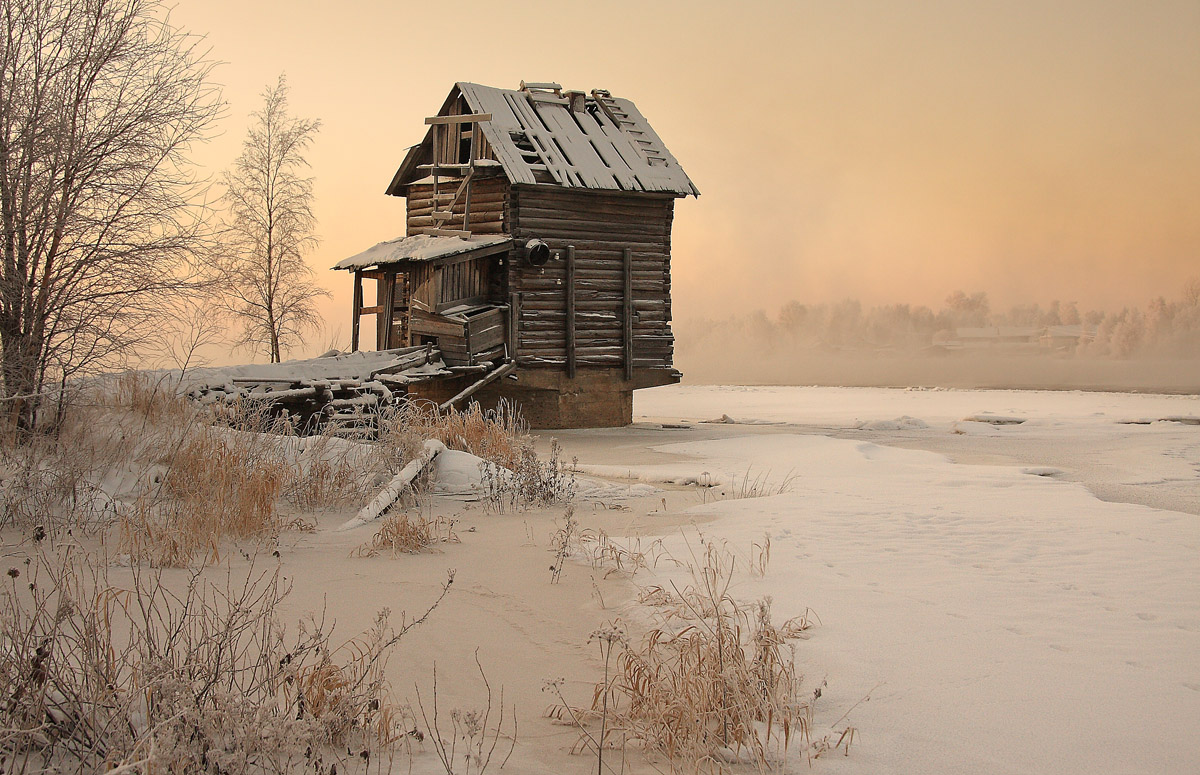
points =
(571, 311)
(627, 318)
(437, 152)
(514, 327)
(357, 303)
(389, 310)
(470, 174)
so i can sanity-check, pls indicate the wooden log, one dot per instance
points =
(478, 210)
(586, 238)
(388, 495)
(584, 243)
(567, 221)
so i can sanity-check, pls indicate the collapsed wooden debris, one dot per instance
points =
(346, 390)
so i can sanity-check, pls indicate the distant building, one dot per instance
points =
(1019, 338)
(1066, 338)
(1011, 337)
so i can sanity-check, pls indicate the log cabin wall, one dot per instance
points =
(487, 205)
(600, 226)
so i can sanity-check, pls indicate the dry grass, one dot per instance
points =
(217, 486)
(187, 677)
(398, 534)
(620, 559)
(749, 485)
(499, 436)
(516, 479)
(713, 685)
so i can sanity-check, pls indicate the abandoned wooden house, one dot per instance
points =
(536, 255)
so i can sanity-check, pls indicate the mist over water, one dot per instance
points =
(965, 343)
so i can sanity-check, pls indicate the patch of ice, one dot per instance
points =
(902, 423)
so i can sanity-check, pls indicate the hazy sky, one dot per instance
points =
(889, 151)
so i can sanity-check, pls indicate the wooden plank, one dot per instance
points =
(435, 325)
(389, 311)
(627, 315)
(485, 320)
(470, 174)
(446, 232)
(468, 118)
(570, 311)
(358, 299)
(495, 374)
(487, 339)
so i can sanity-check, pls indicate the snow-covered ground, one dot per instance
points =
(1000, 616)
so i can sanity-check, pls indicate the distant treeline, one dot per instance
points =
(1163, 328)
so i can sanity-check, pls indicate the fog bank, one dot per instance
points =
(964, 344)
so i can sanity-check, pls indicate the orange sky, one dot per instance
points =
(888, 151)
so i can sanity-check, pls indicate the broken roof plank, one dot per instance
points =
(466, 118)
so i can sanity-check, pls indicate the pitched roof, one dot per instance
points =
(422, 247)
(537, 136)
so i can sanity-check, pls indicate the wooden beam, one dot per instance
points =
(495, 374)
(570, 311)
(357, 303)
(514, 327)
(627, 316)
(469, 118)
(453, 170)
(446, 232)
(375, 310)
(389, 310)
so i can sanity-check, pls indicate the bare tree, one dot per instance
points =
(270, 202)
(100, 215)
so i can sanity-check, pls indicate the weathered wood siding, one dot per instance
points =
(600, 226)
(487, 205)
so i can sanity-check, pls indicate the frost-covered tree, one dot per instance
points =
(270, 287)
(100, 217)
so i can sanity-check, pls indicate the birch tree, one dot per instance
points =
(101, 219)
(271, 288)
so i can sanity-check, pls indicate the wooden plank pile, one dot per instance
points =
(345, 390)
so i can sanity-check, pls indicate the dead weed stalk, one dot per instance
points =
(468, 728)
(182, 675)
(398, 534)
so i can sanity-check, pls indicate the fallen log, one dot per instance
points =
(389, 494)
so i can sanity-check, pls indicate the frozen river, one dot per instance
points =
(1012, 578)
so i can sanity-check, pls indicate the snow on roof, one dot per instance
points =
(361, 365)
(419, 247)
(538, 138)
